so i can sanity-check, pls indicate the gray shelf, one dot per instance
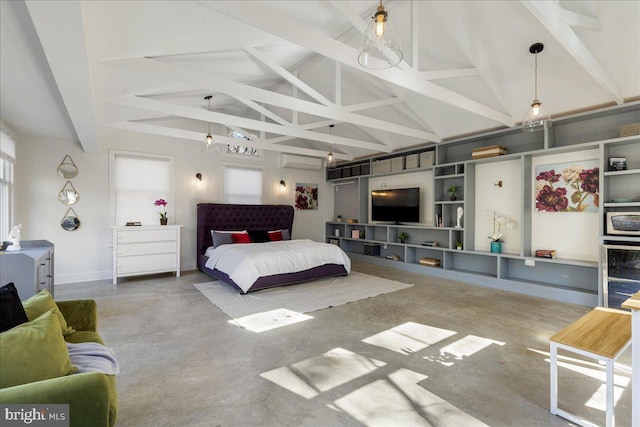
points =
(569, 280)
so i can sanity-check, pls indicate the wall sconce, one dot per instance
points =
(199, 176)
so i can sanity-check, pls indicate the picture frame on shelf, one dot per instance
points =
(617, 163)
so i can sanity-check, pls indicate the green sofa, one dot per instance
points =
(92, 397)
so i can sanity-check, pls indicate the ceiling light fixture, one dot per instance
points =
(331, 159)
(536, 118)
(380, 47)
(210, 145)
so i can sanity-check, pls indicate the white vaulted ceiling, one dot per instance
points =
(285, 70)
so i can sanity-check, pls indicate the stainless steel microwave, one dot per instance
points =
(623, 223)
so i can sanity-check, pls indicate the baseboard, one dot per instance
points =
(87, 276)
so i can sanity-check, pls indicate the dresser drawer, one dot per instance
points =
(129, 249)
(138, 236)
(146, 263)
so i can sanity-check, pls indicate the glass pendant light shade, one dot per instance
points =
(536, 118)
(380, 47)
(209, 145)
(331, 158)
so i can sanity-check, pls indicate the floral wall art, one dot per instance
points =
(568, 187)
(306, 196)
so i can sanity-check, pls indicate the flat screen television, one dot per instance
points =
(396, 206)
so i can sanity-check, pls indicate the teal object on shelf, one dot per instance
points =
(496, 247)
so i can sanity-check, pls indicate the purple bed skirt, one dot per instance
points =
(327, 270)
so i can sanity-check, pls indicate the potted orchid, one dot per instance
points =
(163, 213)
(498, 222)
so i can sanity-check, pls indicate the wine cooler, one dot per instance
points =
(621, 273)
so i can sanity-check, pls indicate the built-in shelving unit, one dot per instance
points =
(451, 164)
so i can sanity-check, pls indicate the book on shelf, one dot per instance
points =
(545, 253)
(431, 262)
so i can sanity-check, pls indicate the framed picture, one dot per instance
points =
(355, 234)
(568, 187)
(306, 197)
(617, 163)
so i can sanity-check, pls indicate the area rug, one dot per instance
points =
(271, 308)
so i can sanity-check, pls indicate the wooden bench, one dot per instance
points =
(602, 334)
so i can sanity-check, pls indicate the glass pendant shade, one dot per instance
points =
(380, 47)
(536, 118)
(331, 160)
(209, 145)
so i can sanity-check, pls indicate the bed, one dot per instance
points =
(244, 266)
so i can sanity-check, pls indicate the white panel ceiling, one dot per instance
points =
(474, 70)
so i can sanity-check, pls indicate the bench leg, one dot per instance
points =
(610, 409)
(553, 392)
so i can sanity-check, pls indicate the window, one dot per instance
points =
(6, 196)
(241, 149)
(242, 185)
(136, 182)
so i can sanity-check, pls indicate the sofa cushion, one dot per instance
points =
(11, 310)
(34, 351)
(41, 303)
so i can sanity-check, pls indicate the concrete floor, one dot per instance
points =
(182, 364)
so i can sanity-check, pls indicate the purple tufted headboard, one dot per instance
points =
(220, 216)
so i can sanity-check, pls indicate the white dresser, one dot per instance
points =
(145, 250)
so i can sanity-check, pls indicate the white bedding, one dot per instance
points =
(245, 263)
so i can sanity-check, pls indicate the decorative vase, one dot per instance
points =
(453, 197)
(163, 221)
(496, 247)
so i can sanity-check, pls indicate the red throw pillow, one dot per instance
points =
(275, 236)
(241, 238)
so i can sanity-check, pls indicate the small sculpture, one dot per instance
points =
(14, 238)
(459, 213)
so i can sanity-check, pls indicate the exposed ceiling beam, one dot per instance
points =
(66, 51)
(450, 74)
(229, 120)
(199, 79)
(223, 140)
(295, 32)
(282, 72)
(262, 110)
(579, 20)
(415, 31)
(550, 14)
(374, 104)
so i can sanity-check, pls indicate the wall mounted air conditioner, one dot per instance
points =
(299, 162)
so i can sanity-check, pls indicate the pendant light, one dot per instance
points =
(331, 159)
(380, 47)
(536, 119)
(209, 145)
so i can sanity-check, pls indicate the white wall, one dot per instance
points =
(85, 254)
(574, 235)
(423, 179)
(506, 201)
